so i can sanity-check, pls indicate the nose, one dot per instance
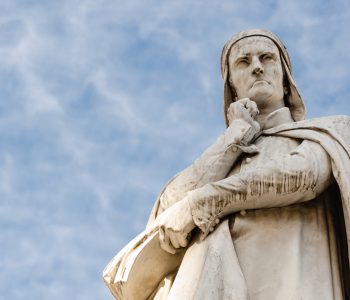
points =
(257, 67)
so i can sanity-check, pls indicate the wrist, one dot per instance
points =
(197, 218)
(241, 132)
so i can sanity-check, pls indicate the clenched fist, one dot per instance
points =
(245, 109)
(243, 124)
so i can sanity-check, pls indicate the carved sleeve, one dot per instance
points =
(298, 176)
(214, 164)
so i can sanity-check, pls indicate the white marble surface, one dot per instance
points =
(253, 214)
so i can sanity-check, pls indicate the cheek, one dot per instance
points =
(277, 76)
(240, 80)
(240, 86)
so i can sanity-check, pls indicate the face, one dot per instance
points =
(256, 72)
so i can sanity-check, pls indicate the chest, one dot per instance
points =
(271, 149)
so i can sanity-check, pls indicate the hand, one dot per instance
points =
(175, 225)
(245, 109)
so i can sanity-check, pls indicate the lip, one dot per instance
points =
(260, 81)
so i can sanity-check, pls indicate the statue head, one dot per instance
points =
(268, 61)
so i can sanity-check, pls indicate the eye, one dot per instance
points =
(267, 57)
(244, 61)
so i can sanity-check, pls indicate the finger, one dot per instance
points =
(165, 242)
(249, 103)
(254, 105)
(255, 110)
(169, 248)
(234, 109)
(254, 113)
(183, 240)
(244, 102)
(252, 108)
(173, 238)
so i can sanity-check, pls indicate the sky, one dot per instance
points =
(102, 102)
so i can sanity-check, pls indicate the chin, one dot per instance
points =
(264, 94)
(260, 95)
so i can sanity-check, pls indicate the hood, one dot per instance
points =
(293, 99)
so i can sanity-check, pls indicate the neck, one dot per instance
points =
(267, 110)
(277, 117)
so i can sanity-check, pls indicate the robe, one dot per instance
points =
(289, 250)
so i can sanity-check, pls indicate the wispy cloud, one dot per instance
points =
(102, 102)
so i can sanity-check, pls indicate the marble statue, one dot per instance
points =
(264, 212)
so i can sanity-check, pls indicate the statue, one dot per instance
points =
(264, 212)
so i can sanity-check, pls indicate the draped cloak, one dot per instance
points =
(213, 260)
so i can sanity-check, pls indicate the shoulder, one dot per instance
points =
(326, 122)
(339, 124)
(336, 125)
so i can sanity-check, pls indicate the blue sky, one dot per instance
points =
(103, 101)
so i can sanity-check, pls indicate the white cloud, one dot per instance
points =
(110, 100)
(6, 174)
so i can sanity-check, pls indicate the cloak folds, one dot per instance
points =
(213, 261)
